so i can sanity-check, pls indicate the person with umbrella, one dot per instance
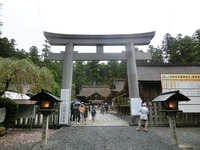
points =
(76, 111)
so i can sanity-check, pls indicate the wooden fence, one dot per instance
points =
(156, 118)
(36, 121)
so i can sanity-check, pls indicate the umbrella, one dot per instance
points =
(72, 102)
(77, 103)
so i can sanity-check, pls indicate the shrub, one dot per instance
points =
(11, 111)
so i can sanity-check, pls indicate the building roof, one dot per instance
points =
(15, 96)
(88, 90)
(173, 95)
(153, 72)
(119, 85)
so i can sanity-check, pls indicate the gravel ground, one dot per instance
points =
(101, 138)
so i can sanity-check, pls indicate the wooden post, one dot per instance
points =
(172, 125)
(45, 128)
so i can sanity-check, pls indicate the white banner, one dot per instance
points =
(65, 106)
(135, 106)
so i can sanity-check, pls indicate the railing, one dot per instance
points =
(156, 118)
(37, 120)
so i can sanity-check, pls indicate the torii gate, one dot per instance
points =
(70, 40)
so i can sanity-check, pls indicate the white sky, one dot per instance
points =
(25, 20)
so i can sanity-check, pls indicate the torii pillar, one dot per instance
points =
(128, 40)
(66, 84)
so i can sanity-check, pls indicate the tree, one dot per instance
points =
(34, 55)
(45, 52)
(167, 40)
(17, 74)
(6, 45)
(79, 76)
(196, 40)
(92, 70)
(156, 55)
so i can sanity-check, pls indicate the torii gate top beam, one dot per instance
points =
(110, 39)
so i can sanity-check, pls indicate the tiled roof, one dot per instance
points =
(152, 73)
(88, 90)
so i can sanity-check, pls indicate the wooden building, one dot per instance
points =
(149, 80)
(94, 93)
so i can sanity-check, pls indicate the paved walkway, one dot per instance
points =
(103, 120)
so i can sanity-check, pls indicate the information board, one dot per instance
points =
(135, 106)
(188, 85)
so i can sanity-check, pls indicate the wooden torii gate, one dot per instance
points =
(71, 40)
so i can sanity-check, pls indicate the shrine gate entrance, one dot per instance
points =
(70, 40)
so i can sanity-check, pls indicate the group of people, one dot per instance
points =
(104, 108)
(81, 112)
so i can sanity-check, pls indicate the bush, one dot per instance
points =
(11, 111)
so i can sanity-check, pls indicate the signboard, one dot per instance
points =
(188, 85)
(135, 106)
(64, 106)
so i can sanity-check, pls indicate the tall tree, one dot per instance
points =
(196, 41)
(92, 69)
(156, 55)
(34, 55)
(79, 76)
(167, 40)
(45, 52)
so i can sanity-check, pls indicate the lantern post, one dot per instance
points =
(46, 102)
(169, 104)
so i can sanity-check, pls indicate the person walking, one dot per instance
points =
(77, 113)
(102, 109)
(93, 113)
(82, 111)
(144, 111)
(72, 118)
(85, 114)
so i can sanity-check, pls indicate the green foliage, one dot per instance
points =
(185, 50)
(156, 55)
(11, 111)
(18, 73)
(9, 47)
(94, 72)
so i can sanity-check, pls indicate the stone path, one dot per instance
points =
(104, 120)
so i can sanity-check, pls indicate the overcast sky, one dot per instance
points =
(25, 20)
